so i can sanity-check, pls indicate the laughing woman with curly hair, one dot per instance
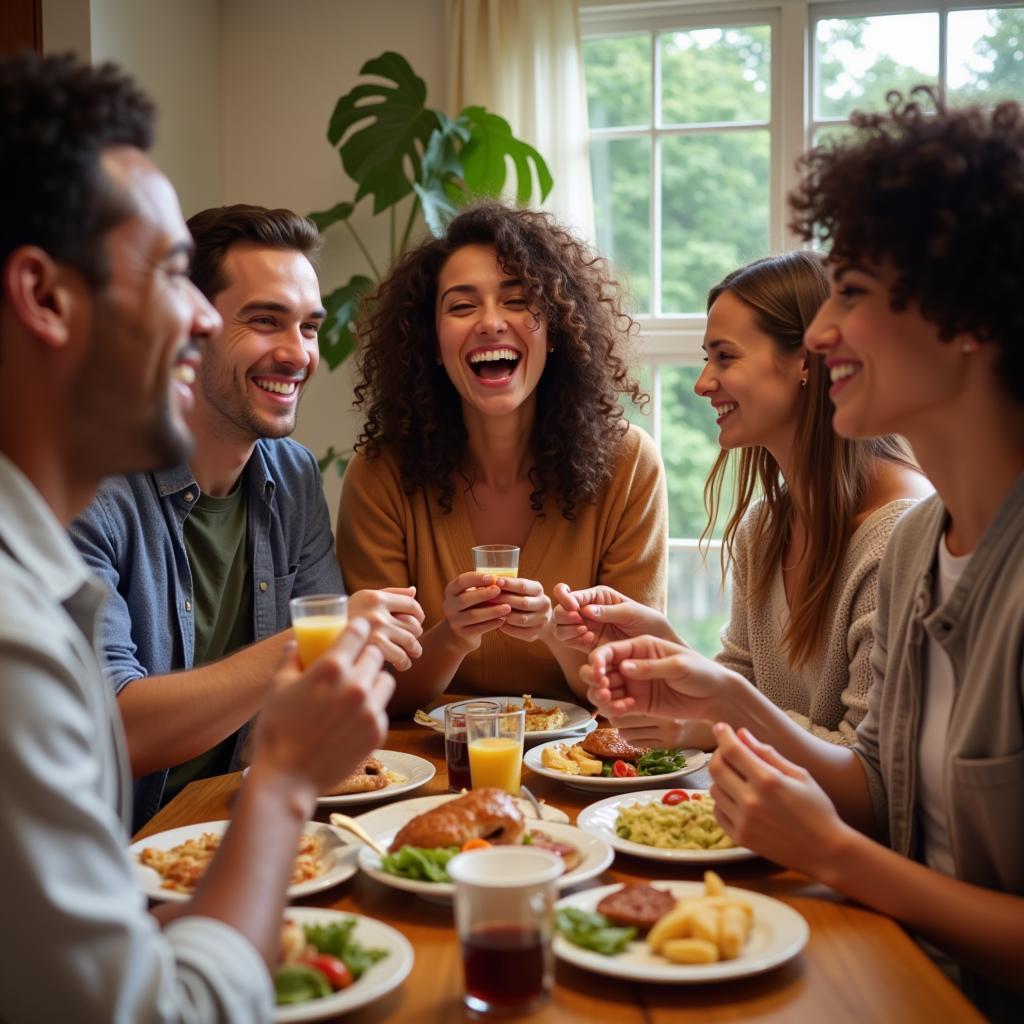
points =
(491, 366)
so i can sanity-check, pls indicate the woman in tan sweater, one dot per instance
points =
(491, 365)
(805, 556)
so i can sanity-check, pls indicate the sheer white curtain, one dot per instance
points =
(523, 60)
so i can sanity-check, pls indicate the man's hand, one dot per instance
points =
(316, 726)
(396, 619)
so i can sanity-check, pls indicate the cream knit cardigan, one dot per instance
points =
(829, 694)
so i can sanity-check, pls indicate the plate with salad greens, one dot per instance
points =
(555, 760)
(423, 871)
(335, 962)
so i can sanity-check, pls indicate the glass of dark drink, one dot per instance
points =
(456, 748)
(504, 906)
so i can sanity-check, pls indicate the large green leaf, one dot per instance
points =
(440, 170)
(325, 218)
(378, 154)
(491, 142)
(336, 338)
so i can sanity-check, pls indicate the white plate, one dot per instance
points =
(579, 720)
(599, 819)
(339, 858)
(695, 759)
(378, 980)
(778, 935)
(417, 771)
(384, 823)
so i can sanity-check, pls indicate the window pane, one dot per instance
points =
(716, 74)
(689, 447)
(618, 73)
(858, 60)
(714, 211)
(986, 55)
(697, 606)
(620, 170)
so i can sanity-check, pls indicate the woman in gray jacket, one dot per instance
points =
(923, 335)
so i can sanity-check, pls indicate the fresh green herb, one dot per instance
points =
(606, 769)
(660, 762)
(298, 983)
(592, 930)
(336, 940)
(420, 864)
(527, 839)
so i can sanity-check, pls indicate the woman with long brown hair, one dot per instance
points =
(809, 519)
(491, 366)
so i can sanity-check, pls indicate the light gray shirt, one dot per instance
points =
(81, 944)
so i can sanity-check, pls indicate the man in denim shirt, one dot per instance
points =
(202, 559)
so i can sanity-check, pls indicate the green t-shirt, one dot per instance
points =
(217, 543)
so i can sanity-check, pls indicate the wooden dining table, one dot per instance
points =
(857, 966)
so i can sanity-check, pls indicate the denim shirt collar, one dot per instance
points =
(174, 481)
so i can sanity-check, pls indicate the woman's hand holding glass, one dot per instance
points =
(396, 619)
(530, 614)
(473, 606)
(772, 805)
(584, 619)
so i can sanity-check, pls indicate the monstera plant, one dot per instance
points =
(419, 166)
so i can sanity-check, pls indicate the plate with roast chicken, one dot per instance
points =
(605, 760)
(421, 839)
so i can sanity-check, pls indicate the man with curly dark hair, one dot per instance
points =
(491, 366)
(99, 333)
(922, 336)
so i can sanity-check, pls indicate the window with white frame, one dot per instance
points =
(698, 113)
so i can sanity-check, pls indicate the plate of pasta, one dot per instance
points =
(712, 932)
(669, 825)
(168, 865)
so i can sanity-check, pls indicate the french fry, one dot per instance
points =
(553, 758)
(704, 923)
(713, 884)
(690, 951)
(733, 929)
(723, 902)
(588, 765)
(674, 925)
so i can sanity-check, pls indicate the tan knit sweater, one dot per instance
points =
(829, 694)
(388, 539)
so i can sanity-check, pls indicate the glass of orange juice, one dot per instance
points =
(318, 620)
(495, 740)
(496, 559)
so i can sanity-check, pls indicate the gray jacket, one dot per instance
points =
(981, 627)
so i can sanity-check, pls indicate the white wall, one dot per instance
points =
(173, 50)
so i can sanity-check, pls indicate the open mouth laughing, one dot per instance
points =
(494, 366)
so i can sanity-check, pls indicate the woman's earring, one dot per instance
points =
(551, 348)
(803, 382)
(968, 347)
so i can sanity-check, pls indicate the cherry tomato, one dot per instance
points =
(333, 969)
(623, 770)
(675, 796)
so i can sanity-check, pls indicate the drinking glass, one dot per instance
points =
(318, 620)
(495, 741)
(504, 909)
(496, 559)
(456, 747)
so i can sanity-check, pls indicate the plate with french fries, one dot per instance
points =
(715, 932)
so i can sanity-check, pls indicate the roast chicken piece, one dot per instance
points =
(489, 814)
(608, 745)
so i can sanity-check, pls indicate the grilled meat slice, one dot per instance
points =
(489, 814)
(637, 904)
(608, 745)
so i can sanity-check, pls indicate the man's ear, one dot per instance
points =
(40, 293)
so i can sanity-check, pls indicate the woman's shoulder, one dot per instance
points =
(635, 448)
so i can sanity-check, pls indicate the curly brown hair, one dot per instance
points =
(411, 405)
(939, 195)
